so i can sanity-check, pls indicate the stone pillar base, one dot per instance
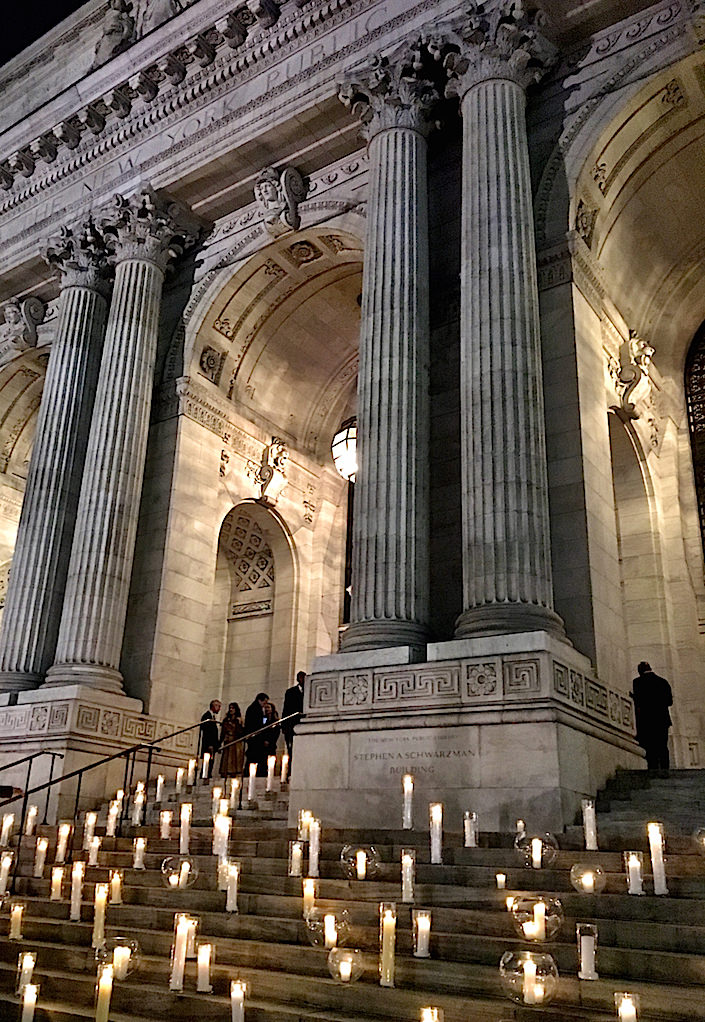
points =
(362, 635)
(16, 681)
(509, 726)
(106, 679)
(503, 618)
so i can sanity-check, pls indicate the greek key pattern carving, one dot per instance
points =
(521, 677)
(323, 692)
(414, 685)
(596, 697)
(58, 716)
(560, 680)
(88, 719)
(139, 729)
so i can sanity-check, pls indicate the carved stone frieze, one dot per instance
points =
(278, 195)
(18, 331)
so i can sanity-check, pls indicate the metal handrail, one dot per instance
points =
(29, 760)
(32, 755)
(253, 734)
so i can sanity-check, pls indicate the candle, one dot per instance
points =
(626, 1008)
(221, 835)
(25, 967)
(234, 791)
(431, 1015)
(588, 882)
(30, 994)
(206, 766)
(238, 989)
(345, 970)
(121, 961)
(139, 788)
(77, 873)
(223, 807)
(93, 850)
(251, 783)
(62, 842)
(8, 822)
(540, 920)
(422, 934)
(314, 847)
(330, 930)
(89, 829)
(57, 879)
(309, 896)
(184, 834)
(305, 817)
(658, 868)
(191, 774)
(40, 854)
(296, 858)
(435, 811)
(165, 818)
(589, 825)
(113, 813)
(178, 953)
(99, 906)
(361, 864)
(536, 852)
(407, 809)
(216, 795)
(191, 942)
(184, 874)
(529, 982)
(119, 798)
(139, 845)
(231, 890)
(520, 830)
(271, 767)
(203, 982)
(115, 888)
(16, 913)
(635, 884)
(587, 938)
(105, 990)
(179, 780)
(31, 821)
(387, 943)
(137, 807)
(5, 867)
(408, 863)
(509, 902)
(159, 792)
(223, 867)
(283, 776)
(470, 829)
(500, 880)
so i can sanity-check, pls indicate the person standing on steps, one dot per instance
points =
(257, 716)
(232, 758)
(210, 732)
(293, 703)
(652, 697)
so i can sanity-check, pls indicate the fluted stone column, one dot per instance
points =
(506, 545)
(389, 604)
(92, 623)
(38, 577)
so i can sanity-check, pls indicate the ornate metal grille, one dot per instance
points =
(695, 398)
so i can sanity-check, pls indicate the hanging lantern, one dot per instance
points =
(344, 449)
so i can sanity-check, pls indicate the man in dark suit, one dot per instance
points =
(256, 717)
(293, 703)
(652, 697)
(210, 732)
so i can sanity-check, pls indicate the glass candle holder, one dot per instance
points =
(435, 831)
(408, 874)
(327, 929)
(205, 958)
(104, 992)
(345, 966)
(470, 829)
(296, 858)
(179, 872)
(25, 968)
(538, 850)
(304, 819)
(193, 924)
(28, 1002)
(537, 918)
(431, 1015)
(16, 917)
(309, 894)
(587, 878)
(589, 824)
(360, 862)
(586, 934)
(407, 807)
(634, 869)
(122, 952)
(528, 977)
(387, 942)
(657, 844)
(421, 926)
(627, 1005)
(6, 860)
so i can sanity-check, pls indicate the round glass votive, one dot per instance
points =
(537, 918)
(528, 977)
(122, 952)
(326, 929)
(345, 965)
(587, 878)
(360, 862)
(179, 872)
(538, 850)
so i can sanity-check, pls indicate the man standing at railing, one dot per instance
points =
(210, 732)
(293, 703)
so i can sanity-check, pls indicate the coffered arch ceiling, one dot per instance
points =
(640, 205)
(281, 338)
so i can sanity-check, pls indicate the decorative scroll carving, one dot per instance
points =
(270, 474)
(19, 329)
(118, 31)
(278, 196)
(634, 359)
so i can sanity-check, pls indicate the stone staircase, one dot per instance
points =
(653, 946)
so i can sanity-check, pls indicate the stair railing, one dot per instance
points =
(253, 734)
(29, 760)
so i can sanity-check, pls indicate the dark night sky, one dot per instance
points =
(27, 20)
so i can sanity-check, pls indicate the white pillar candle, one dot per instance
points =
(221, 835)
(223, 807)
(121, 961)
(137, 808)
(29, 1002)
(165, 818)
(330, 930)
(285, 769)
(185, 832)
(99, 906)
(89, 829)
(77, 873)
(309, 896)
(231, 890)
(314, 847)
(31, 820)
(205, 766)
(191, 943)
(139, 845)
(119, 798)
(536, 852)
(203, 981)
(62, 842)
(105, 992)
(634, 877)
(540, 920)
(470, 829)
(16, 913)
(40, 854)
(271, 767)
(159, 791)
(305, 817)
(234, 791)
(407, 805)
(184, 874)
(500, 880)
(361, 864)
(407, 877)
(251, 782)
(191, 773)
(5, 867)
(296, 858)
(422, 927)
(216, 794)
(8, 822)
(93, 850)
(509, 902)
(238, 989)
(111, 825)
(586, 954)
(435, 811)
(626, 1009)
(25, 967)
(115, 887)
(140, 788)
(178, 954)
(388, 940)
(345, 970)
(57, 880)
(223, 867)
(589, 825)
(588, 881)
(179, 780)
(658, 868)
(520, 829)
(529, 982)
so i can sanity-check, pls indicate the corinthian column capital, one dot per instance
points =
(496, 40)
(391, 92)
(149, 228)
(81, 256)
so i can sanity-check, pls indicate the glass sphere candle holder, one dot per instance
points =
(122, 952)
(528, 977)
(360, 862)
(345, 965)
(537, 918)
(537, 850)
(179, 872)
(327, 929)
(587, 878)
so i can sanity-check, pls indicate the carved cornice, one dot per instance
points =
(81, 257)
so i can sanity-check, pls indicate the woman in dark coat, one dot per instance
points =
(232, 760)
